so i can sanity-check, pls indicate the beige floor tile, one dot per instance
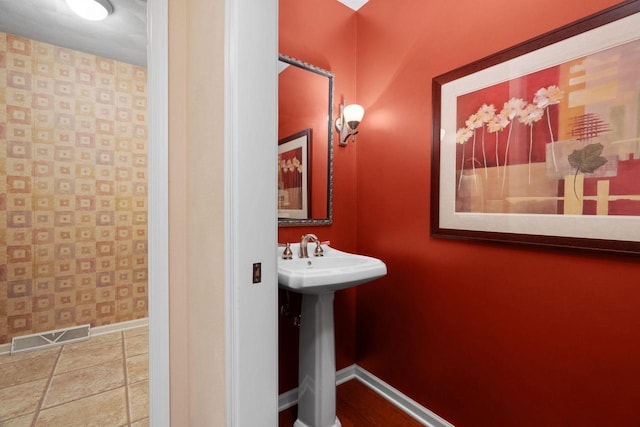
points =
(79, 383)
(27, 355)
(23, 421)
(139, 400)
(142, 330)
(138, 368)
(137, 345)
(21, 399)
(81, 357)
(104, 409)
(141, 423)
(27, 370)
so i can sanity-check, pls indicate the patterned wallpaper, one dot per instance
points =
(73, 189)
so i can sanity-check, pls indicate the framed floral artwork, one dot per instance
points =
(294, 171)
(540, 144)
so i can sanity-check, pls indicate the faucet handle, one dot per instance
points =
(287, 253)
(319, 251)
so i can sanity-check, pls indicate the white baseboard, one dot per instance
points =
(346, 374)
(287, 399)
(397, 398)
(100, 330)
(401, 400)
(119, 327)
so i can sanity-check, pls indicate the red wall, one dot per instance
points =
(323, 33)
(480, 334)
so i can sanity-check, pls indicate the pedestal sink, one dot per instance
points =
(317, 278)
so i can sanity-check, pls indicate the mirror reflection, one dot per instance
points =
(305, 97)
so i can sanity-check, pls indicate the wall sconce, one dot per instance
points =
(350, 117)
(92, 10)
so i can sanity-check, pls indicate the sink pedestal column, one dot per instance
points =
(317, 363)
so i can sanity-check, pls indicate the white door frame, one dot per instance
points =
(158, 94)
(251, 224)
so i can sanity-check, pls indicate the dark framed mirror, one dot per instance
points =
(305, 144)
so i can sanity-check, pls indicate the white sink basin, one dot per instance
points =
(334, 271)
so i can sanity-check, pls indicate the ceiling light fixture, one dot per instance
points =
(92, 10)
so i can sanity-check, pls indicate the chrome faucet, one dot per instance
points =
(304, 242)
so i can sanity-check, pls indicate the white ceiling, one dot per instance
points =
(121, 36)
(354, 4)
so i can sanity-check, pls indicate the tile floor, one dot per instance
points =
(101, 382)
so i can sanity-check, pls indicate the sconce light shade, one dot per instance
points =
(92, 10)
(350, 117)
(353, 114)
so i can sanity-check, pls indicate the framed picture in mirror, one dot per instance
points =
(294, 170)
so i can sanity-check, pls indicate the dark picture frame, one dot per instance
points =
(539, 145)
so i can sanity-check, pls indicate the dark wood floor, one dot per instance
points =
(359, 406)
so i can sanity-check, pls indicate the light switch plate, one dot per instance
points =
(257, 272)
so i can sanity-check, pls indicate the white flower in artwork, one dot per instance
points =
(544, 98)
(513, 107)
(474, 121)
(530, 114)
(498, 123)
(486, 113)
(463, 135)
(510, 109)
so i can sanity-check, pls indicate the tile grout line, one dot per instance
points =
(36, 414)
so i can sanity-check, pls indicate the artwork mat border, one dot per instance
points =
(608, 233)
